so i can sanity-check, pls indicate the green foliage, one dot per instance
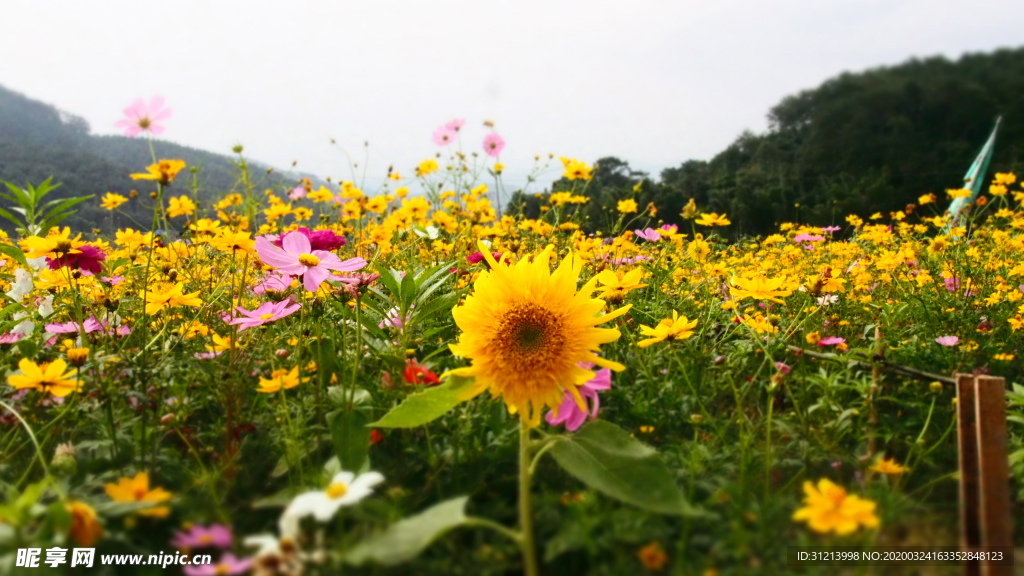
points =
(407, 538)
(37, 217)
(424, 407)
(606, 458)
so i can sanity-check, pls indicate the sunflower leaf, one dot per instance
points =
(427, 406)
(404, 540)
(609, 460)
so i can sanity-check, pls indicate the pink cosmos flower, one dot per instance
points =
(649, 234)
(87, 260)
(831, 341)
(273, 282)
(395, 319)
(112, 280)
(670, 228)
(947, 340)
(267, 312)
(782, 367)
(318, 239)
(444, 136)
(10, 337)
(478, 257)
(228, 565)
(297, 257)
(807, 238)
(297, 193)
(455, 125)
(493, 144)
(569, 413)
(140, 117)
(629, 260)
(216, 535)
(952, 283)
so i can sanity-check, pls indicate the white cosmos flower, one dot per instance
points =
(345, 489)
(22, 284)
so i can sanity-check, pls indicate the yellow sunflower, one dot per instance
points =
(526, 330)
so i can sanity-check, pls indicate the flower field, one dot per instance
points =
(417, 379)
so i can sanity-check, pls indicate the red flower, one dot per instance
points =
(375, 437)
(417, 374)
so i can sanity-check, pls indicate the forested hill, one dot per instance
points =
(38, 141)
(860, 143)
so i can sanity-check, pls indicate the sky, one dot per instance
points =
(652, 83)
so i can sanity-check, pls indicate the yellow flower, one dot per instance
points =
(377, 204)
(180, 206)
(231, 241)
(690, 210)
(1003, 357)
(674, 328)
(157, 301)
(828, 508)
(959, 193)
(46, 377)
(85, 529)
(320, 195)
(760, 324)
(575, 169)
(111, 201)
(58, 243)
(526, 330)
(627, 206)
(137, 490)
(163, 171)
(1005, 178)
(888, 466)
(499, 168)
(713, 219)
(428, 166)
(653, 557)
(280, 379)
(926, 199)
(759, 288)
(616, 284)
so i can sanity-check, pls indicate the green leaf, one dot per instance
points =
(11, 309)
(606, 458)
(404, 540)
(14, 252)
(351, 438)
(422, 407)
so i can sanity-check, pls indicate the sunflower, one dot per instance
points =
(526, 329)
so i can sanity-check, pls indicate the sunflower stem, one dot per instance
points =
(526, 542)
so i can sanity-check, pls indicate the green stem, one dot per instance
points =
(526, 542)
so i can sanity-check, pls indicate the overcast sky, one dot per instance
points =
(653, 83)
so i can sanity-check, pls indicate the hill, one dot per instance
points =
(860, 143)
(38, 141)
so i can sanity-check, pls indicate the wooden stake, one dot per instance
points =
(993, 464)
(966, 417)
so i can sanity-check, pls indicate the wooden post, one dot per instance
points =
(984, 468)
(994, 488)
(970, 531)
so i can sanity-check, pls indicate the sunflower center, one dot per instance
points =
(336, 490)
(529, 334)
(308, 260)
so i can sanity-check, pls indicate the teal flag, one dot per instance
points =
(973, 180)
